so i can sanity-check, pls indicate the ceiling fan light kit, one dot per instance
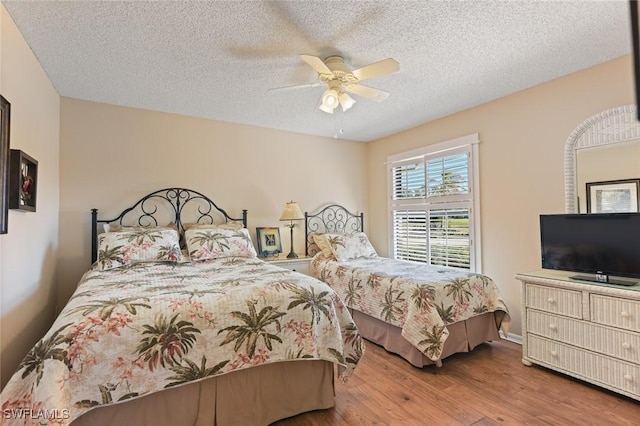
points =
(340, 80)
(334, 96)
(330, 97)
(346, 101)
(324, 106)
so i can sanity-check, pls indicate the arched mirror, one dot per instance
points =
(605, 148)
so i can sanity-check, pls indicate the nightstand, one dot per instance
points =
(299, 264)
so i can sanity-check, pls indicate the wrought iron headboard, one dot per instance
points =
(333, 219)
(172, 202)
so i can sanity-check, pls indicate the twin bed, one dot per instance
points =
(155, 336)
(178, 322)
(421, 312)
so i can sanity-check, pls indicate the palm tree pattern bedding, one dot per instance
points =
(421, 299)
(130, 331)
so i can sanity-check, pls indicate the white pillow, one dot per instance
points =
(350, 246)
(116, 227)
(216, 243)
(116, 249)
(226, 225)
(323, 245)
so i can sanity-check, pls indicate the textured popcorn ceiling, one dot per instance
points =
(217, 59)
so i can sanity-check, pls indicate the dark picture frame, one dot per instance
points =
(23, 181)
(613, 196)
(5, 122)
(269, 243)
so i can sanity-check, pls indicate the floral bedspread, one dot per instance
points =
(138, 329)
(421, 299)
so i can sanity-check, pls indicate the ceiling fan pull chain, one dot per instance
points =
(338, 132)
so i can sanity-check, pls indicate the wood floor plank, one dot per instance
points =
(486, 387)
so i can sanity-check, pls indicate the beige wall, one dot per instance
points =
(521, 164)
(28, 252)
(111, 156)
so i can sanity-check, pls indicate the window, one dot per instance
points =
(433, 204)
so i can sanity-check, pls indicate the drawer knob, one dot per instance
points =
(554, 354)
(551, 300)
(628, 377)
(625, 314)
(553, 327)
(626, 345)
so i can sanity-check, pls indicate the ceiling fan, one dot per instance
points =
(341, 81)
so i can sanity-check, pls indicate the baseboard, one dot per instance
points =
(515, 338)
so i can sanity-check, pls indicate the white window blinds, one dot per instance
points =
(447, 176)
(431, 207)
(449, 242)
(410, 235)
(409, 181)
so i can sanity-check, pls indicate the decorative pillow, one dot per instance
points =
(350, 246)
(116, 227)
(215, 243)
(226, 225)
(323, 245)
(141, 245)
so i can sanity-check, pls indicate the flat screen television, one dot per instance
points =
(603, 246)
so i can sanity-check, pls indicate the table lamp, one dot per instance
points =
(291, 212)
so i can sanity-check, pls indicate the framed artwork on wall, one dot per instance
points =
(5, 119)
(23, 181)
(613, 196)
(268, 241)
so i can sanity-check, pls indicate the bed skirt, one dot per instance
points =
(463, 335)
(255, 396)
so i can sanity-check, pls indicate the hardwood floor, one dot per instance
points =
(489, 386)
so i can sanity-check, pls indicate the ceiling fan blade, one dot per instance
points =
(297, 86)
(367, 92)
(385, 66)
(317, 64)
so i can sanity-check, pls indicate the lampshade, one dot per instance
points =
(346, 101)
(326, 109)
(292, 212)
(330, 100)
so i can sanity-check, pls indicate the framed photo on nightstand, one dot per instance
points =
(268, 242)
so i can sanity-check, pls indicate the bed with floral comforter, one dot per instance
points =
(418, 298)
(141, 328)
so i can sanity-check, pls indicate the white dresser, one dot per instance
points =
(587, 330)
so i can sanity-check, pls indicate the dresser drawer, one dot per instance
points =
(615, 311)
(613, 342)
(599, 369)
(556, 300)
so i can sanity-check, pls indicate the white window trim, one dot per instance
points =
(471, 140)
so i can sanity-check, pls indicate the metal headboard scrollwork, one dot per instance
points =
(333, 219)
(170, 204)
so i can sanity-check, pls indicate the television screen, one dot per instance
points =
(600, 244)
